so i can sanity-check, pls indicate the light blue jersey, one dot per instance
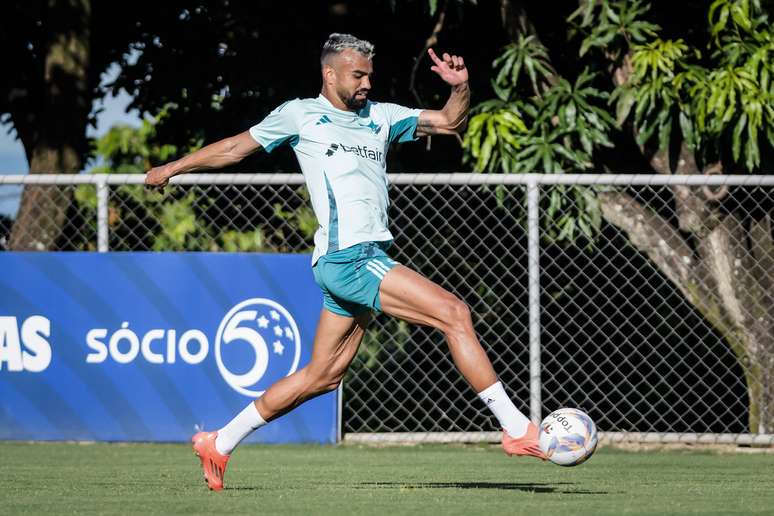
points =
(343, 158)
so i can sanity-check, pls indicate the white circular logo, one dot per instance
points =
(267, 328)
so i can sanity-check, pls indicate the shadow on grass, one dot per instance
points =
(507, 486)
(556, 487)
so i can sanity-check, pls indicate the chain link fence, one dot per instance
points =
(647, 301)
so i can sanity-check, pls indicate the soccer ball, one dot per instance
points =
(568, 436)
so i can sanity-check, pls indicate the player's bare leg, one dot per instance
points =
(335, 344)
(410, 296)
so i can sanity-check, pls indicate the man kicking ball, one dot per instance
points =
(341, 139)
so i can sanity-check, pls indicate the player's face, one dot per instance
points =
(352, 78)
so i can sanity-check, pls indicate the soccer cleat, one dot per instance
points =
(527, 445)
(213, 463)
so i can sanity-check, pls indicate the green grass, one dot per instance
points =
(53, 478)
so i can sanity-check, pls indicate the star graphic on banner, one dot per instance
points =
(288, 333)
(278, 331)
(263, 322)
(278, 347)
(274, 315)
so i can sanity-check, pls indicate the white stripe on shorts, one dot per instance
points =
(379, 265)
(376, 272)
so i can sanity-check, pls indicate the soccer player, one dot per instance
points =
(340, 139)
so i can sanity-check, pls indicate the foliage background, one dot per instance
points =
(604, 86)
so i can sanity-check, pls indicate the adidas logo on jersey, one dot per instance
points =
(323, 120)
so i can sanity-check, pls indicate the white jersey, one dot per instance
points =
(343, 158)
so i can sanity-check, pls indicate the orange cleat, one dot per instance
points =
(213, 463)
(527, 445)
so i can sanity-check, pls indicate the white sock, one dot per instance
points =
(513, 421)
(238, 428)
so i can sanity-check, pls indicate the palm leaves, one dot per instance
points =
(721, 99)
(726, 99)
(554, 132)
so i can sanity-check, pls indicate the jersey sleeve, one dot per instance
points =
(279, 126)
(403, 122)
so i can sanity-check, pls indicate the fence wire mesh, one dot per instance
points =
(656, 301)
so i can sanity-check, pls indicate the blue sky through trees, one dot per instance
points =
(13, 161)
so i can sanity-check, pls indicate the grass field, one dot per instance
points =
(53, 478)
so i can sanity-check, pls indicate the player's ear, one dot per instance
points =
(329, 74)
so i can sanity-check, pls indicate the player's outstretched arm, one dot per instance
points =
(453, 117)
(223, 153)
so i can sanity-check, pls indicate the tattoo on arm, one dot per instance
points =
(449, 120)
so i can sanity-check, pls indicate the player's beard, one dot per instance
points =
(354, 103)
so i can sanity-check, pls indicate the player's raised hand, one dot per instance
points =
(452, 69)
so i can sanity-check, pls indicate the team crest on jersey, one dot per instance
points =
(375, 128)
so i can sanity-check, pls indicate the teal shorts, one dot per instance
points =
(350, 278)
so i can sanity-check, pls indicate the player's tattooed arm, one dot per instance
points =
(453, 117)
(223, 153)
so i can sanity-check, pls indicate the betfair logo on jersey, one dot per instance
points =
(361, 151)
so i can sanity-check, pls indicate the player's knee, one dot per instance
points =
(332, 384)
(328, 384)
(326, 380)
(456, 315)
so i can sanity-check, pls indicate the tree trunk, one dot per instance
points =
(42, 210)
(54, 136)
(729, 278)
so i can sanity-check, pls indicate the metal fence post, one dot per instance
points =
(340, 412)
(533, 226)
(102, 214)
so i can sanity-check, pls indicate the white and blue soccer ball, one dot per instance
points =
(568, 437)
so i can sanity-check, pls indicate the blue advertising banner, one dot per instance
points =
(146, 346)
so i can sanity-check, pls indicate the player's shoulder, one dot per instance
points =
(305, 102)
(374, 106)
(298, 107)
(379, 110)
(389, 110)
(289, 106)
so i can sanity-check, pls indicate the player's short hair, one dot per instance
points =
(338, 42)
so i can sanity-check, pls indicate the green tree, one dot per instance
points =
(57, 51)
(701, 103)
(214, 64)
